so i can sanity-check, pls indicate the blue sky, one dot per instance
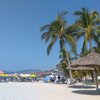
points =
(20, 22)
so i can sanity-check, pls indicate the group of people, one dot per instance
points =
(56, 79)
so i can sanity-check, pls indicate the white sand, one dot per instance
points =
(42, 91)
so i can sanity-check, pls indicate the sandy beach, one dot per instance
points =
(45, 91)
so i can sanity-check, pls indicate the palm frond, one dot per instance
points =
(79, 35)
(94, 13)
(96, 39)
(61, 15)
(97, 21)
(84, 48)
(46, 36)
(49, 48)
(71, 29)
(71, 41)
(77, 13)
(45, 27)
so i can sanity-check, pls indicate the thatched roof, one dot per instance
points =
(91, 60)
(80, 68)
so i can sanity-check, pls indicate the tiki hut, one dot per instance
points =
(91, 61)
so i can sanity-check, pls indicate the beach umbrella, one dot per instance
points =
(25, 75)
(1, 72)
(33, 76)
(89, 62)
(4, 75)
(47, 79)
(13, 75)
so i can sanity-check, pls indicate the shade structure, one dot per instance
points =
(90, 61)
(80, 68)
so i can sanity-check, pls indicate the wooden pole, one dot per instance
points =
(96, 80)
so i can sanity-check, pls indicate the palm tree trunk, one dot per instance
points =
(91, 49)
(70, 72)
(62, 47)
(95, 70)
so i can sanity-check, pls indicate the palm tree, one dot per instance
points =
(88, 25)
(58, 30)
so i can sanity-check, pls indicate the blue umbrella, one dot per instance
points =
(47, 79)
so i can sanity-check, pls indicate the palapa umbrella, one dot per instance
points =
(91, 61)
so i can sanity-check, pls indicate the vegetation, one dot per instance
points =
(87, 26)
(58, 30)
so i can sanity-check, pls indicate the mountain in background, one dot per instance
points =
(27, 71)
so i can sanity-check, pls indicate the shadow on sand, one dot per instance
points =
(87, 92)
(80, 86)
